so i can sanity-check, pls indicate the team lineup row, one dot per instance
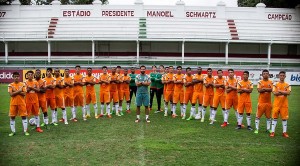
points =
(56, 92)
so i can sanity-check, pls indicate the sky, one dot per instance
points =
(229, 3)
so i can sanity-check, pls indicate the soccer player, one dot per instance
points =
(125, 92)
(68, 93)
(90, 93)
(197, 94)
(231, 97)
(104, 81)
(188, 93)
(132, 85)
(114, 94)
(178, 91)
(59, 94)
(79, 82)
(281, 90)
(244, 88)
(160, 87)
(42, 96)
(17, 91)
(208, 94)
(50, 96)
(31, 99)
(219, 96)
(142, 82)
(168, 95)
(118, 71)
(264, 105)
(153, 87)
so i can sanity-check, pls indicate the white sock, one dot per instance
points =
(147, 116)
(74, 109)
(236, 115)
(96, 109)
(213, 116)
(127, 106)
(225, 113)
(257, 123)
(64, 112)
(274, 123)
(108, 109)
(102, 108)
(138, 116)
(192, 113)
(240, 120)
(174, 108)
(284, 125)
(25, 124)
(83, 111)
(249, 120)
(166, 108)
(53, 116)
(199, 109)
(13, 125)
(55, 113)
(181, 108)
(211, 112)
(203, 113)
(37, 121)
(117, 107)
(184, 109)
(46, 120)
(268, 124)
(88, 111)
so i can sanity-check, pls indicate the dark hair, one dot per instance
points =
(171, 66)
(178, 67)
(67, 69)
(247, 72)
(231, 70)
(89, 68)
(167, 67)
(161, 66)
(132, 68)
(119, 67)
(50, 69)
(199, 67)
(282, 72)
(220, 71)
(16, 73)
(30, 71)
(77, 66)
(104, 67)
(153, 66)
(37, 70)
(265, 70)
(143, 66)
(209, 69)
(188, 68)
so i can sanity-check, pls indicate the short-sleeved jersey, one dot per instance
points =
(281, 100)
(178, 87)
(58, 91)
(132, 80)
(245, 97)
(158, 80)
(142, 78)
(90, 89)
(114, 86)
(153, 82)
(266, 96)
(125, 86)
(42, 84)
(231, 82)
(188, 79)
(120, 81)
(210, 90)
(103, 86)
(50, 92)
(77, 89)
(219, 91)
(169, 77)
(198, 87)
(68, 91)
(18, 99)
(31, 96)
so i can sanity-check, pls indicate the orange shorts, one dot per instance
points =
(197, 97)
(264, 108)
(208, 100)
(178, 97)
(244, 105)
(43, 105)
(104, 97)
(32, 109)
(218, 100)
(78, 100)
(125, 95)
(15, 110)
(283, 111)
(90, 97)
(188, 96)
(114, 96)
(168, 95)
(231, 102)
(51, 102)
(60, 102)
(69, 101)
(120, 94)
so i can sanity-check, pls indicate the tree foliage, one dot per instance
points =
(269, 3)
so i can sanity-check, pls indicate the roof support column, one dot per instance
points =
(93, 51)
(226, 53)
(137, 52)
(49, 51)
(182, 52)
(6, 52)
(269, 53)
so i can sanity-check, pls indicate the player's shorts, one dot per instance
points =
(231, 102)
(69, 101)
(43, 105)
(247, 106)
(168, 95)
(142, 99)
(114, 96)
(197, 97)
(15, 110)
(90, 97)
(32, 109)
(60, 102)
(51, 103)
(188, 96)
(264, 108)
(104, 97)
(178, 97)
(219, 100)
(283, 111)
(120, 95)
(78, 100)
(125, 95)
(208, 100)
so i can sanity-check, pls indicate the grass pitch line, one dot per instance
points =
(141, 138)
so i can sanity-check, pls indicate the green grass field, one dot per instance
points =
(165, 141)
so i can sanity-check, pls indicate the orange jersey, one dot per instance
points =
(103, 86)
(210, 90)
(170, 86)
(114, 86)
(58, 91)
(42, 83)
(68, 91)
(18, 99)
(266, 96)
(179, 86)
(90, 89)
(220, 91)
(121, 80)
(77, 88)
(198, 87)
(231, 82)
(188, 79)
(281, 100)
(245, 97)
(50, 92)
(125, 86)
(31, 96)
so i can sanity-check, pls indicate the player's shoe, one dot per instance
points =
(11, 134)
(121, 113)
(174, 115)
(272, 134)
(108, 116)
(256, 131)
(224, 124)
(238, 127)
(198, 116)
(54, 124)
(190, 118)
(26, 133)
(96, 116)
(118, 114)
(269, 131)
(84, 118)
(211, 122)
(166, 114)
(285, 135)
(249, 128)
(128, 111)
(157, 111)
(74, 119)
(202, 120)
(66, 122)
(61, 120)
(38, 129)
(137, 120)
(183, 117)
(43, 124)
(148, 120)
(87, 116)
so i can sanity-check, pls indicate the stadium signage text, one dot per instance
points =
(2, 14)
(295, 77)
(76, 13)
(152, 13)
(6, 76)
(280, 16)
(199, 14)
(118, 13)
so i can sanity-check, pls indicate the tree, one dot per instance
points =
(269, 3)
